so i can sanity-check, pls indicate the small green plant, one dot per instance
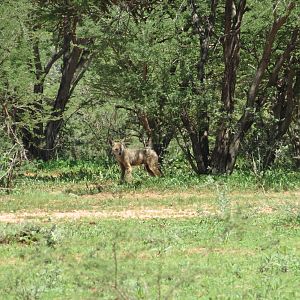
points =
(278, 262)
(29, 234)
(35, 285)
(223, 200)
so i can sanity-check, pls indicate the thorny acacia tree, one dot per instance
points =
(133, 70)
(201, 71)
(268, 70)
(196, 62)
(74, 48)
(274, 64)
(61, 46)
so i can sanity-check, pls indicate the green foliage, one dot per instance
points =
(281, 179)
(104, 176)
(144, 60)
(278, 262)
(67, 170)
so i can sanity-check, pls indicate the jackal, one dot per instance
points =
(134, 157)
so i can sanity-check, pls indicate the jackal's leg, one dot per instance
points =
(149, 170)
(128, 171)
(122, 173)
(154, 168)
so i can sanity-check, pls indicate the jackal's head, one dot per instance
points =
(117, 148)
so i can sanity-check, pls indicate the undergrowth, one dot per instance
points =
(98, 176)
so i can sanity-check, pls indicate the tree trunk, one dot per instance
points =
(283, 112)
(41, 142)
(294, 130)
(228, 143)
(70, 63)
(195, 129)
(199, 140)
(226, 146)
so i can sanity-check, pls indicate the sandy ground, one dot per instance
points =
(189, 211)
(77, 214)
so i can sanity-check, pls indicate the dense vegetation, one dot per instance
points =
(214, 82)
(213, 86)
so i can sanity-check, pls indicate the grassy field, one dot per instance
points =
(170, 238)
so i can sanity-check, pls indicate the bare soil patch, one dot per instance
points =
(149, 195)
(138, 213)
(196, 209)
(191, 193)
(145, 213)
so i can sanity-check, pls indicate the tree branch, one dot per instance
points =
(82, 66)
(265, 60)
(284, 56)
(53, 59)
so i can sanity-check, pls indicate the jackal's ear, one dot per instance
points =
(110, 142)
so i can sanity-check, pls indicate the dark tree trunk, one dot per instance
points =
(71, 62)
(226, 146)
(228, 143)
(283, 112)
(195, 130)
(204, 32)
(198, 158)
(294, 131)
(41, 142)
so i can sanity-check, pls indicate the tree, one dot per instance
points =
(235, 119)
(61, 38)
(202, 72)
(195, 128)
(133, 70)
(294, 129)
(14, 81)
(75, 51)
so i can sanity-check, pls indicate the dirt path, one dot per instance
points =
(196, 209)
(78, 214)
(135, 213)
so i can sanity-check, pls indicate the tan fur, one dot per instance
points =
(134, 157)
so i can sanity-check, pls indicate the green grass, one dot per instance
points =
(246, 247)
(224, 257)
(106, 175)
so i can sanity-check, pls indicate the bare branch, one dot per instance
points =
(82, 66)
(284, 56)
(53, 59)
(265, 60)
(125, 107)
